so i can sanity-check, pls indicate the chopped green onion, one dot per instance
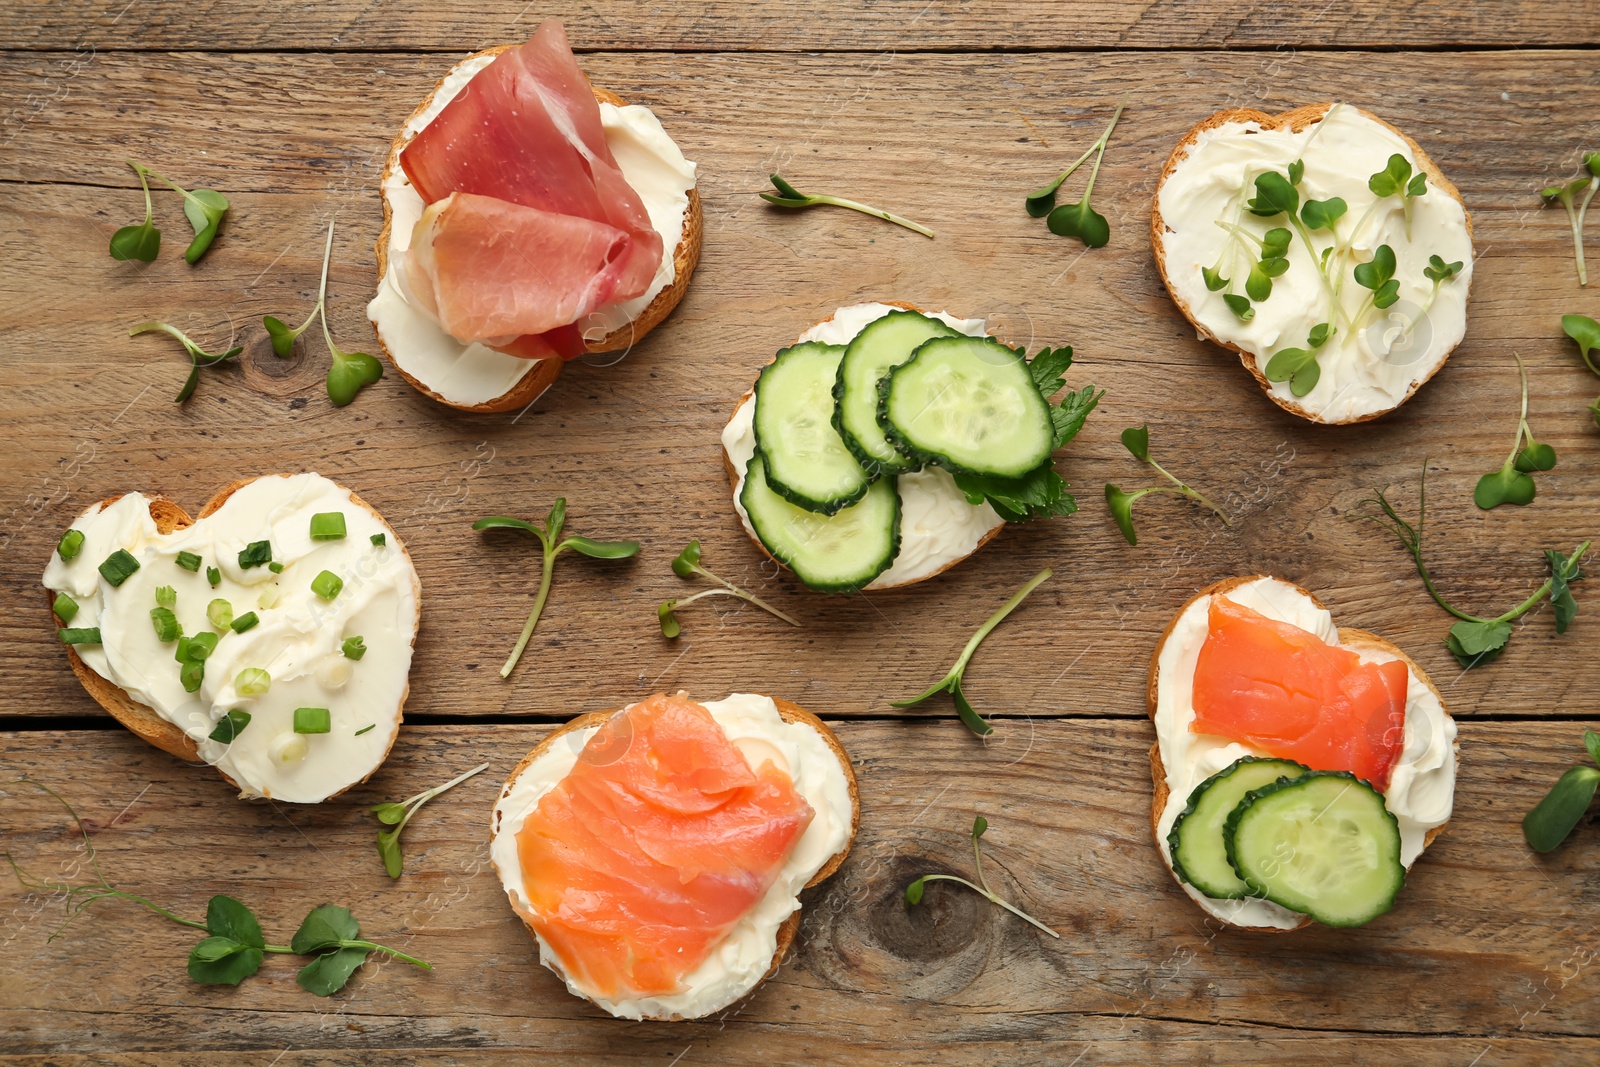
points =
(327, 526)
(70, 545)
(275, 567)
(220, 612)
(181, 653)
(166, 624)
(190, 562)
(231, 726)
(191, 674)
(244, 622)
(365, 728)
(118, 567)
(312, 721)
(89, 635)
(166, 596)
(201, 644)
(252, 682)
(64, 607)
(327, 585)
(353, 647)
(214, 576)
(255, 554)
(380, 540)
(268, 597)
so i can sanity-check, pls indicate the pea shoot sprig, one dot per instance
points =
(951, 682)
(350, 372)
(550, 540)
(1585, 332)
(789, 197)
(1559, 813)
(1575, 196)
(1077, 219)
(1513, 482)
(396, 814)
(204, 208)
(914, 891)
(1475, 639)
(198, 357)
(687, 565)
(234, 947)
(1136, 439)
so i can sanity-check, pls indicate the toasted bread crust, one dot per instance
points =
(789, 712)
(685, 257)
(734, 473)
(1294, 121)
(1348, 637)
(141, 719)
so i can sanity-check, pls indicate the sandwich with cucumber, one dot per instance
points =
(888, 444)
(1299, 768)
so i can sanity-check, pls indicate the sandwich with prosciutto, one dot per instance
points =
(529, 218)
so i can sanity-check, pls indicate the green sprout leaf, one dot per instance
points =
(1081, 221)
(1040, 202)
(951, 682)
(1240, 306)
(670, 626)
(1511, 484)
(141, 241)
(198, 357)
(1215, 282)
(1275, 195)
(396, 815)
(328, 926)
(1136, 439)
(1476, 643)
(1322, 214)
(1438, 270)
(1377, 274)
(204, 208)
(1566, 195)
(328, 973)
(1077, 219)
(1392, 178)
(1559, 813)
(687, 565)
(1585, 332)
(788, 196)
(914, 891)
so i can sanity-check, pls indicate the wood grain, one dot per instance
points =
(797, 26)
(1489, 946)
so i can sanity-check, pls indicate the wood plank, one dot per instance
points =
(634, 446)
(800, 26)
(1490, 947)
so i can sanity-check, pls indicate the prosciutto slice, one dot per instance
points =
(547, 229)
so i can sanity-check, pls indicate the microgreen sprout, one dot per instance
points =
(790, 197)
(981, 887)
(349, 372)
(1567, 196)
(951, 682)
(1474, 639)
(234, 946)
(1585, 332)
(1513, 482)
(1559, 813)
(1136, 439)
(198, 357)
(1396, 178)
(549, 536)
(142, 241)
(1377, 274)
(687, 565)
(1299, 366)
(1078, 219)
(396, 814)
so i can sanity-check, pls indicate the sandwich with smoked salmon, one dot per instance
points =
(529, 218)
(657, 853)
(1300, 768)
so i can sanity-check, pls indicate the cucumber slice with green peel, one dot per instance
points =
(969, 405)
(883, 344)
(837, 553)
(1199, 856)
(1322, 844)
(807, 462)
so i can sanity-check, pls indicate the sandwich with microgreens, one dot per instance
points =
(657, 853)
(270, 636)
(1324, 247)
(888, 444)
(529, 218)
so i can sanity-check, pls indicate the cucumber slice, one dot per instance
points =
(969, 405)
(837, 553)
(1199, 856)
(1322, 844)
(807, 462)
(885, 343)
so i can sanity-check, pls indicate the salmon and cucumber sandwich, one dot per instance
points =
(887, 444)
(1300, 768)
(657, 853)
(529, 218)
(269, 636)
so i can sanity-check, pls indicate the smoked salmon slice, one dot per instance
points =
(1289, 693)
(641, 860)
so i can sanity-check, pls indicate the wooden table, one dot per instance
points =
(948, 112)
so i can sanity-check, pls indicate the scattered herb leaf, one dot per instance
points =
(789, 197)
(981, 887)
(686, 565)
(198, 357)
(1559, 813)
(349, 372)
(1512, 484)
(1136, 439)
(141, 241)
(1566, 195)
(396, 814)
